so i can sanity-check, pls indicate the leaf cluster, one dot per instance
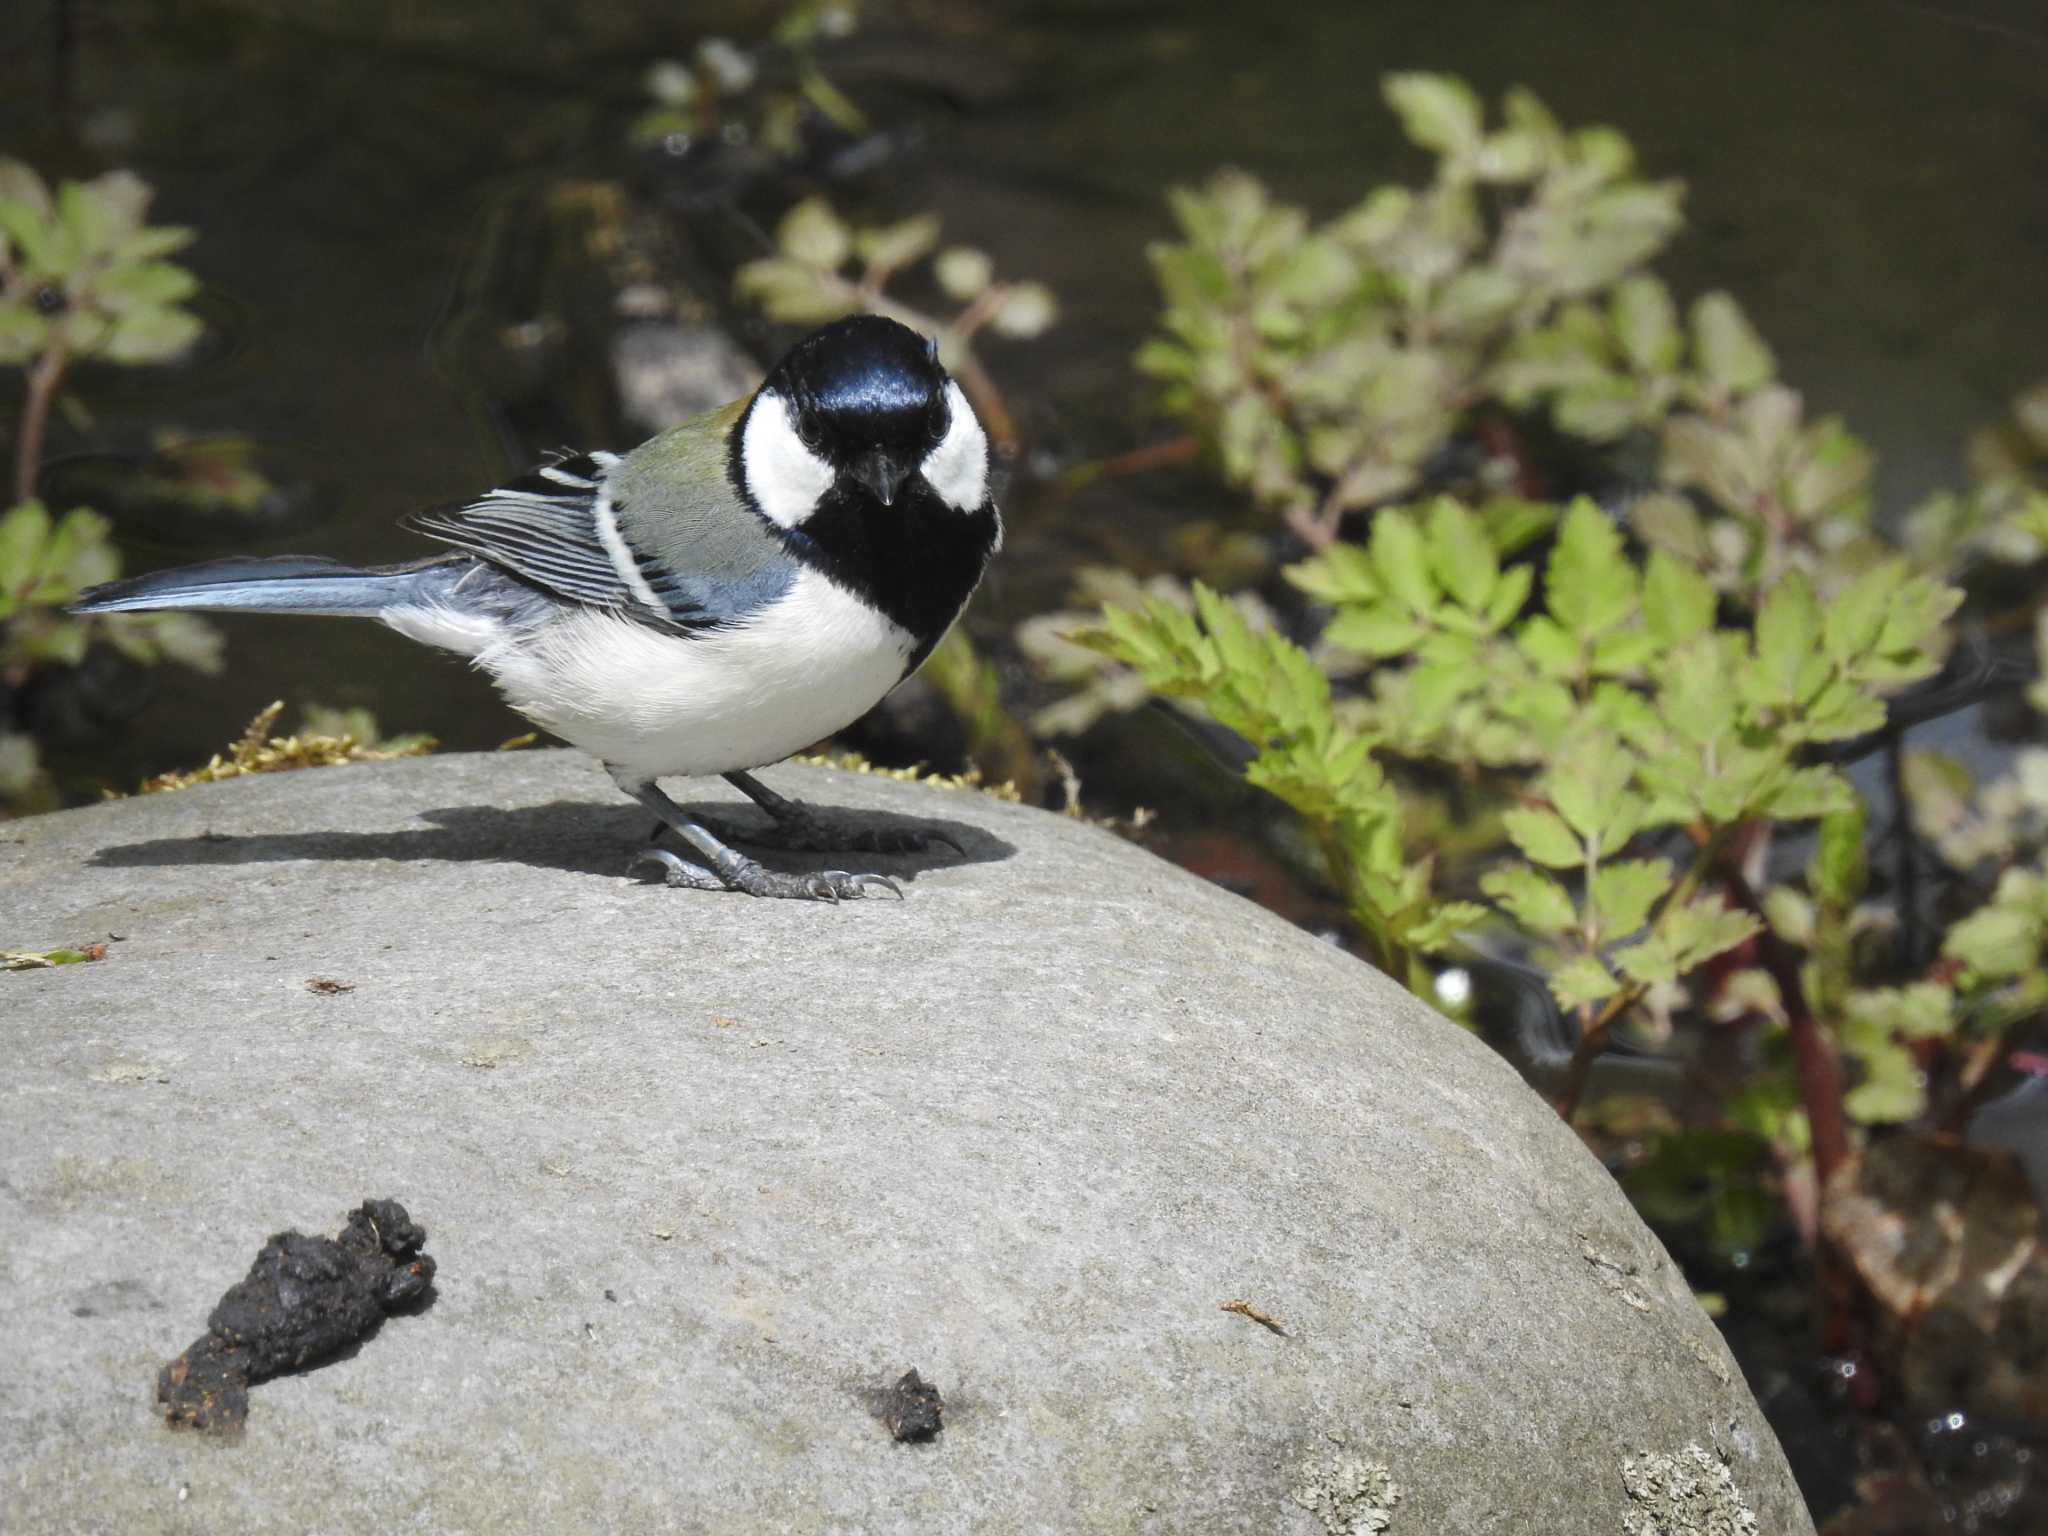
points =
(1261, 685)
(807, 281)
(82, 273)
(760, 95)
(1325, 364)
(44, 563)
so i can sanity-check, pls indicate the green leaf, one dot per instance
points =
(1892, 1089)
(1379, 630)
(1442, 927)
(1584, 789)
(1684, 939)
(1510, 592)
(144, 282)
(1026, 310)
(1838, 872)
(1461, 554)
(1787, 630)
(1734, 358)
(24, 531)
(1513, 524)
(1995, 942)
(1438, 112)
(1589, 584)
(1583, 981)
(1313, 273)
(81, 214)
(149, 334)
(1546, 645)
(897, 245)
(1921, 1010)
(1623, 893)
(1477, 300)
(963, 271)
(1803, 793)
(786, 289)
(1401, 561)
(1856, 613)
(1646, 324)
(814, 235)
(1532, 899)
(1678, 602)
(1705, 929)
(1543, 836)
(1664, 520)
(1790, 915)
(1340, 574)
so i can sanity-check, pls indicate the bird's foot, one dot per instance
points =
(799, 831)
(737, 872)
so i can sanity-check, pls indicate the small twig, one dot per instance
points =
(1171, 453)
(35, 418)
(1246, 1309)
(1906, 871)
(1592, 1041)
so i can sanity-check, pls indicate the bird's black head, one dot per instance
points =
(860, 409)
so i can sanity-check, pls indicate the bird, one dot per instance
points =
(722, 596)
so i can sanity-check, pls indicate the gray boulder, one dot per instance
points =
(705, 1175)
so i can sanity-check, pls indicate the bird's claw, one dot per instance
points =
(678, 873)
(743, 874)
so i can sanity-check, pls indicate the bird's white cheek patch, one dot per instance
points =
(785, 477)
(958, 468)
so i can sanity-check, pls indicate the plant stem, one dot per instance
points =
(1593, 1036)
(35, 419)
(1819, 1067)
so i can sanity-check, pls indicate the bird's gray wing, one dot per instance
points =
(555, 528)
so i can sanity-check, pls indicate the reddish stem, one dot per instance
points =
(35, 419)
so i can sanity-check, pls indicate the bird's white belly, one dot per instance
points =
(808, 664)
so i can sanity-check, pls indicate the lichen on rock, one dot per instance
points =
(1691, 1493)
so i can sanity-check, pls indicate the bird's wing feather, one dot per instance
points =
(554, 527)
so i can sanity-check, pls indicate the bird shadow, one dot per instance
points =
(572, 835)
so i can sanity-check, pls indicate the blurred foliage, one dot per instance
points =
(972, 687)
(807, 283)
(1624, 711)
(2003, 515)
(82, 276)
(327, 739)
(727, 90)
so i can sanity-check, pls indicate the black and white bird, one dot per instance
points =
(727, 593)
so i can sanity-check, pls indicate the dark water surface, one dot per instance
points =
(1871, 179)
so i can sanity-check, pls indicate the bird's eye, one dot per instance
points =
(808, 431)
(937, 419)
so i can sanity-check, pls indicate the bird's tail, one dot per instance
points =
(277, 584)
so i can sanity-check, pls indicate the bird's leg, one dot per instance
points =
(795, 827)
(724, 869)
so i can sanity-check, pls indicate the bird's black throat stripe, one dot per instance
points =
(918, 561)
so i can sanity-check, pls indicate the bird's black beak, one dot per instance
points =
(881, 474)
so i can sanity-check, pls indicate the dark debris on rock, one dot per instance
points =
(911, 1408)
(303, 1300)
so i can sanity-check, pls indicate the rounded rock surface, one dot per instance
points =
(705, 1175)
